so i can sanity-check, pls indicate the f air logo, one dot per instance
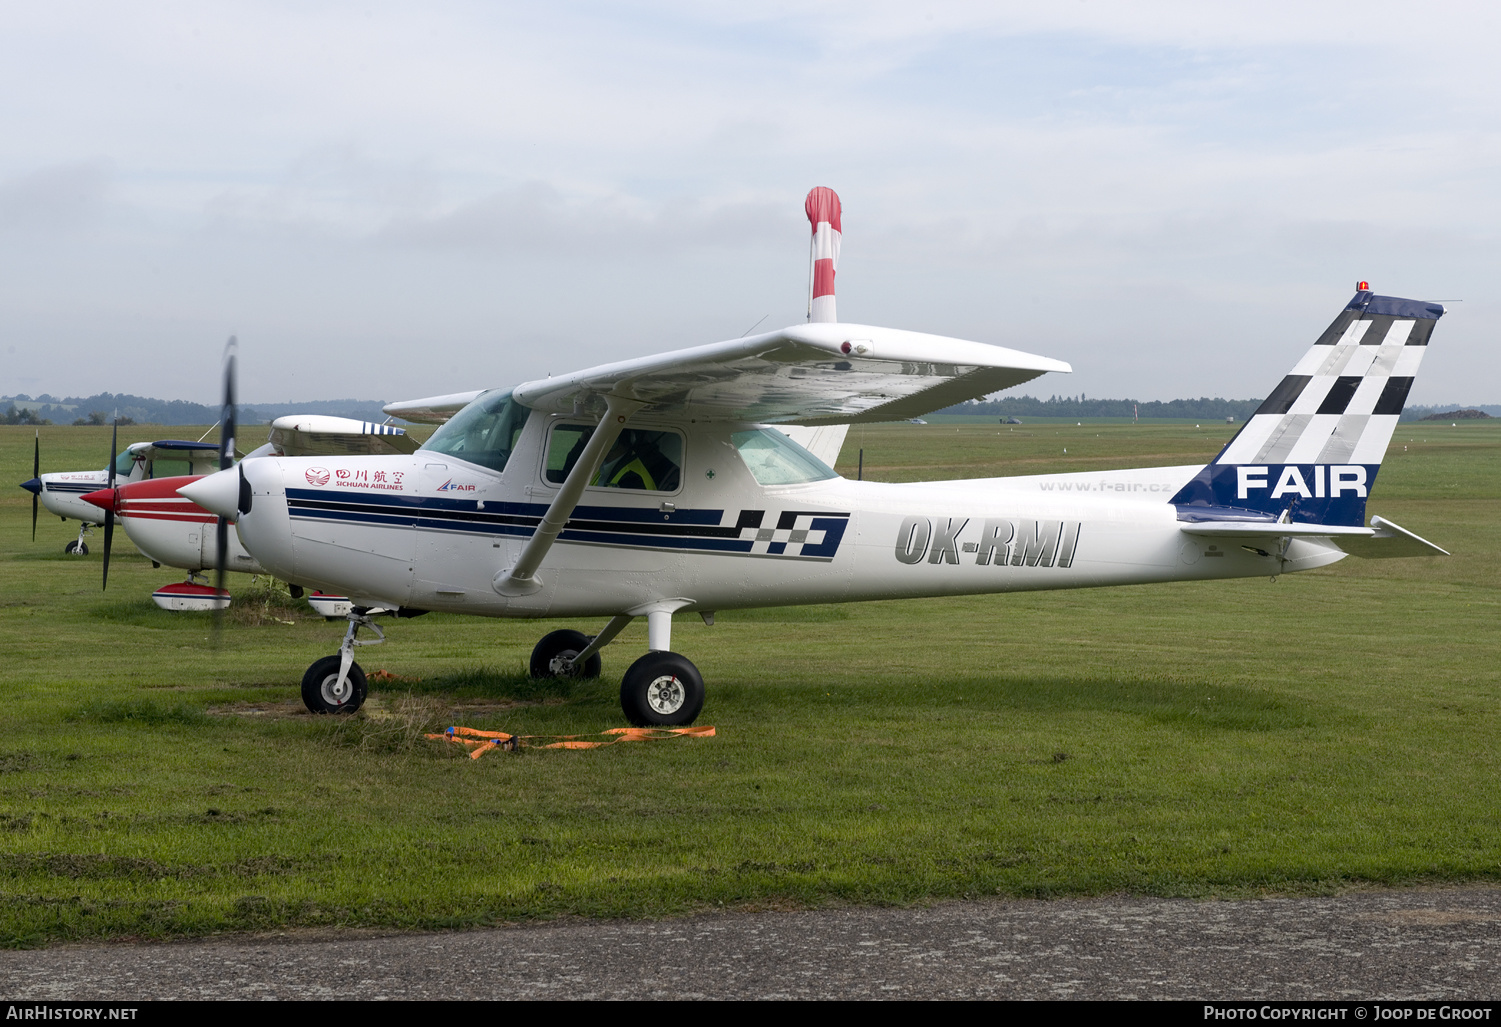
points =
(1001, 543)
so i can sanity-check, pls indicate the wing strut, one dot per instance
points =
(521, 579)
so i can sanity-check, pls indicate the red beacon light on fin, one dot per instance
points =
(1362, 286)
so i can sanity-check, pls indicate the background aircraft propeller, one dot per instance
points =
(36, 475)
(226, 461)
(109, 511)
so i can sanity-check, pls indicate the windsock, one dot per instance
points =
(822, 206)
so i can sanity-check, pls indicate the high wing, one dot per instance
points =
(434, 409)
(322, 435)
(812, 374)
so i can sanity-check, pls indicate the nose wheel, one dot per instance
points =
(325, 691)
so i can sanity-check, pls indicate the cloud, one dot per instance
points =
(536, 218)
(54, 199)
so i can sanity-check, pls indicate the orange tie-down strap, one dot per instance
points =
(480, 742)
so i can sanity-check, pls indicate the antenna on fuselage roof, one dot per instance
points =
(822, 207)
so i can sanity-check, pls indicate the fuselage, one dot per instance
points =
(62, 492)
(431, 531)
(174, 531)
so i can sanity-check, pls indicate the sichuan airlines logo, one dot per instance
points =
(316, 475)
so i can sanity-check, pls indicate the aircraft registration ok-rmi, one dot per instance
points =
(699, 481)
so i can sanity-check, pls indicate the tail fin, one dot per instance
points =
(1311, 451)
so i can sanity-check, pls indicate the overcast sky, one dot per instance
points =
(397, 200)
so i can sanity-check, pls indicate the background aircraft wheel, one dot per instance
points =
(563, 643)
(319, 693)
(662, 690)
(76, 548)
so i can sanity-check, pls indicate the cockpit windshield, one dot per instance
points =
(484, 432)
(774, 459)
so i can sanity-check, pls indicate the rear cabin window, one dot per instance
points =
(650, 461)
(774, 459)
(168, 468)
(484, 432)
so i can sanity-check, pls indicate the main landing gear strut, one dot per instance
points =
(661, 689)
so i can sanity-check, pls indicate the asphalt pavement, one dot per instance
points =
(1391, 945)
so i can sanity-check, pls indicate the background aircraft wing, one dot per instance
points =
(812, 374)
(175, 449)
(322, 435)
(433, 409)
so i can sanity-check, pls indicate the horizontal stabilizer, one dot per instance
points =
(1273, 529)
(1389, 540)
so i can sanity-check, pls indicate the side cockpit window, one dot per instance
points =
(650, 461)
(484, 432)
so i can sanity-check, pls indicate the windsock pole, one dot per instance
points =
(822, 207)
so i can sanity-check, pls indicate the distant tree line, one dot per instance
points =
(1203, 409)
(1078, 406)
(1450, 412)
(14, 416)
(101, 409)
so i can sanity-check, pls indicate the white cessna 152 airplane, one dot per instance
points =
(62, 492)
(659, 485)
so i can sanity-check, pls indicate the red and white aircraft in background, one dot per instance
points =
(175, 532)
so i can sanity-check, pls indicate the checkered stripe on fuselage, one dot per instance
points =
(1341, 402)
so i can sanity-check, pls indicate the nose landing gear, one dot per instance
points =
(336, 684)
(79, 547)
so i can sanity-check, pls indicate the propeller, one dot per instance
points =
(226, 461)
(36, 474)
(109, 512)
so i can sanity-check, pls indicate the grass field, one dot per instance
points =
(1329, 730)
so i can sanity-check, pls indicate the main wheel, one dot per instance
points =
(549, 653)
(76, 548)
(320, 691)
(662, 690)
